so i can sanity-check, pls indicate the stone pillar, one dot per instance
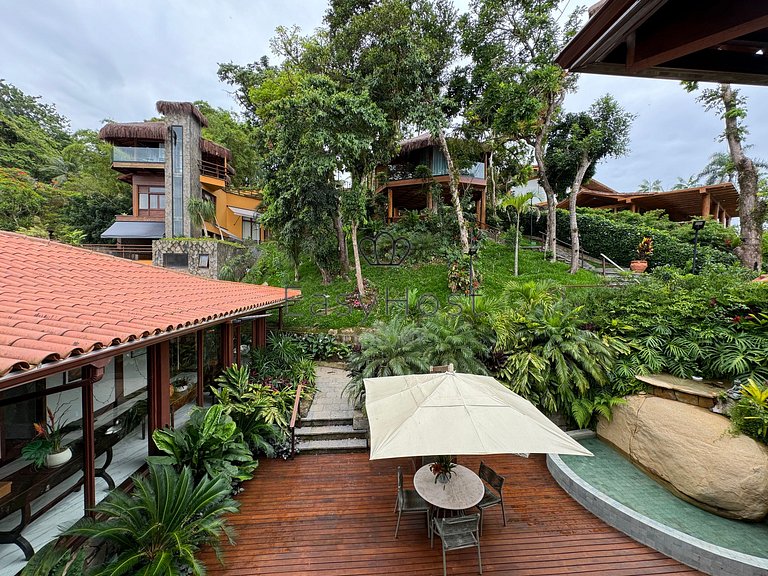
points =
(191, 157)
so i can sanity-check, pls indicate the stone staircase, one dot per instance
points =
(327, 427)
(325, 435)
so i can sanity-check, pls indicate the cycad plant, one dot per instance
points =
(392, 349)
(161, 525)
(550, 359)
(451, 340)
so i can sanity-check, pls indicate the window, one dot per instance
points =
(151, 200)
(250, 229)
(203, 261)
(177, 180)
(171, 260)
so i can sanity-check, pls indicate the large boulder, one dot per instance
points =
(693, 451)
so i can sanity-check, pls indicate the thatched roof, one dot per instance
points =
(165, 107)
(137, 130)
(214, 149)
(421, 141)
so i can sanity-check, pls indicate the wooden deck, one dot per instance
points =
(332, 515)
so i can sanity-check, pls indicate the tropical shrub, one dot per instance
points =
(458, 275)
(750, 414)
(55, 560)
(208, 444)
(392, 349)
(321, 346)
(162, 524)
(451, 340)
(547, 356)
(283, 362)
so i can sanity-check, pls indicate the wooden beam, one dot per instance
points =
(260, 333)
(389, 204)
(200, 345)
(226, 347)
(686, 26)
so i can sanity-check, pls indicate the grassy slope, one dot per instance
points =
(324, 307)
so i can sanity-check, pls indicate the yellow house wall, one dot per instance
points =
(228, 219)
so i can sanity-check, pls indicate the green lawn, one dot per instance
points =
(324, 307)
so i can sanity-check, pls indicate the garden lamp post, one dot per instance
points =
(697, 225)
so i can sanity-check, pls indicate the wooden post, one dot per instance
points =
(119, 379)
(238, 343)
(260, 332)
(159, 372)
(390, 207)
(200, 345)
(484, 212)
(89, 440)
(706, 201)
(227, 356)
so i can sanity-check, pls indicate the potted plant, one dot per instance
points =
(181, 384)
(46, 449)
(644, 250)
(442, 468)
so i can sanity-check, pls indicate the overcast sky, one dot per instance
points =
(113, 59)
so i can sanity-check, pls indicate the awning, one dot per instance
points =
(151, 230)
(220, 231)
(244, 212)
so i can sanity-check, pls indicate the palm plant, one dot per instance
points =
(392, 349)
(201, 211)
(550, 359)
(453, 341)
(520, 204)
(161, 525)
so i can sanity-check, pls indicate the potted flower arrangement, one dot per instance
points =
(46, 449)
(644, 250)
(442, 468)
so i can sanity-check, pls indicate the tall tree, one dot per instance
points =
(32, 133)
(650, 186)
(516, 89)
(578, 141)
(752, 208)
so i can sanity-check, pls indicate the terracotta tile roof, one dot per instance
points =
(58, 301)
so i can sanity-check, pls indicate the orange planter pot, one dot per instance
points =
(638, 265)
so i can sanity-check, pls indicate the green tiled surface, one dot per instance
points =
(611, 473)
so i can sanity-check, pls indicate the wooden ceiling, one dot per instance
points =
(707, 40)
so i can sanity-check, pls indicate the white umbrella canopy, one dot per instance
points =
(453, 413)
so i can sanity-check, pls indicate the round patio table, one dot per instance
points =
(462, 491)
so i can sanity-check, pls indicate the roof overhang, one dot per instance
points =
(714, 41)
(135, 230)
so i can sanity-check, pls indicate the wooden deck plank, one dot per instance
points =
(331, 515)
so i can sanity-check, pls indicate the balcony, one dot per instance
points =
(128, 251)
(213, 170)
(407, 171)
(138, 155)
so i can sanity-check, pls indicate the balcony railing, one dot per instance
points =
(138, 154)
(213, 170)
(128, 251)
(410, 172)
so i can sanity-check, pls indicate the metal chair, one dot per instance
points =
(457, 533)
(493, 492)
(408, 501)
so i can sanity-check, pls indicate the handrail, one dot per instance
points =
(294, 416)
(604, 257)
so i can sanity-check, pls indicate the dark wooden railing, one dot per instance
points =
(213, 170)
(294, 418)
(129, 251)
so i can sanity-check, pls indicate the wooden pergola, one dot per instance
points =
(713, 40)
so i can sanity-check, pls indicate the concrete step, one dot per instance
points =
(306, 446)
(328, 432)
(314, 422)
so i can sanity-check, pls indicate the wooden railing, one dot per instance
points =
(213, 170)
(294, 418)
(129, 251)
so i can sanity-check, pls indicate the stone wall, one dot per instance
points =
(196, 251)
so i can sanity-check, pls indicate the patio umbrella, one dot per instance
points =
(453, 413)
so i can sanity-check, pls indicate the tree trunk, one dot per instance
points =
(492, 174)
(454, 187)
(517, 239)
(341, 238)
(575, 187)
(356, 254)
(550, 241)
(751, 208)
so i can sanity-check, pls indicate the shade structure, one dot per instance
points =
(454, 413)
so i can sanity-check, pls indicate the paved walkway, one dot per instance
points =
(330, 403)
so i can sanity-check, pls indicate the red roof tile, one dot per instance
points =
(57, 301)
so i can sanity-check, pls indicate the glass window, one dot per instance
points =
(177, 180)
(250, 229)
